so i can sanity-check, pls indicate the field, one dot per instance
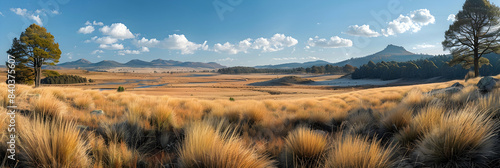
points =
(189, 120)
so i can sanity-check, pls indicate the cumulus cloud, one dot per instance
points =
(86, 30)
(363, 30)
(94, 23)
(118, 31)
(451, 17)
(105, 40)
(423, 46)
(124, 52)
(146, 43)
(97, 52)
(275, 43)
(111, 46)
(412, 22)
(28, 15)
(180, 42)
(333, 42)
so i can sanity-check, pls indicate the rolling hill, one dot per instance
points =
(158, 63)
(390, 53)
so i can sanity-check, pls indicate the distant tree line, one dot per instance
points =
(421, 69)
(64, 79)
(326, 69)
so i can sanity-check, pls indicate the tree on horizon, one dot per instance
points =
(474, 33)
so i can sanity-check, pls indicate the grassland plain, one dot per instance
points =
(380, 127)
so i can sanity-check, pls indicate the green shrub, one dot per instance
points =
(121, 89)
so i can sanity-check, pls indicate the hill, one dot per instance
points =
(284, 81)
(295, 65)
(158, 63)
(390, 53)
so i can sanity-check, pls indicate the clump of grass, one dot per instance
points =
(428, 118)
(204, 146)
(415, 98)
(490, 104)
(163, 117)
(306, 147)
(463, 139)
(49, 107)
(354, 151)
(397, 118)
(83, 102)
(52, 144)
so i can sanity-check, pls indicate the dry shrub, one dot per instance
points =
(204, 146)
(306, 147)
(52, 144)
(463, 139)
(354, 151)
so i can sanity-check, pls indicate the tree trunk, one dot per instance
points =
(476, 67)
(36, 76)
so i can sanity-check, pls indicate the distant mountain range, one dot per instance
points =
(390, 53)
(83, 63)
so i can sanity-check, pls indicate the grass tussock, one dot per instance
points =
(354, 151)
(205, 146)
(464, 139)
(49, 106)
(52, 144)
(306, 147)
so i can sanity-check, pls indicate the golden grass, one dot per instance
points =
(204, 146)
(163, 117)
(354, 151)
(83, 102)
(428, 118)
(52, 144)
(306, 147)
(463, 139)
(48, 106)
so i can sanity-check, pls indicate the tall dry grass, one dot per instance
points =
(355, 151)
(205, 146)
(465, 138)
(306, 148)
(53, 143)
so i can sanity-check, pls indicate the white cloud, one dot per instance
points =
(94, 23)
(97, 52)
(423, 46)
(310, 58)
(180, 42)
(412, 22)
(86, 30)
(451, 17)
(70, 55)
(225, 60)
(98, 56)
(118, 31)
(146, 43)
(111, 46)
(27, 14)
(123, 52)
(55, 12)
(105, 40)
(276, 43)
(1, 13)
(285, 59)
(363, 30)
(144, 49)
(333, 42)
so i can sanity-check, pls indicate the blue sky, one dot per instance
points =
(231, 32)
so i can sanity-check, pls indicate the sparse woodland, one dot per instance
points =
(382, 127)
